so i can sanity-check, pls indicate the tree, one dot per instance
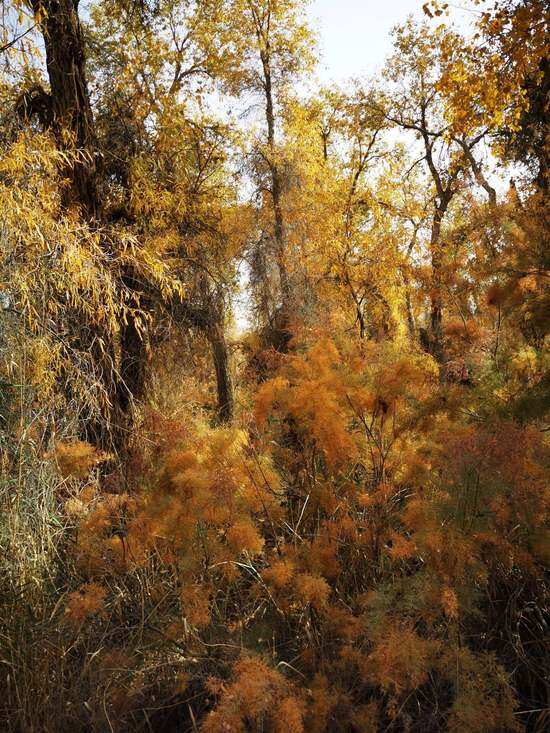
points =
(69, 109)
(271, 48)
(170, 167)
(415, 104)
(499, 80)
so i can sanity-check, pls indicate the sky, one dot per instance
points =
(355, 35)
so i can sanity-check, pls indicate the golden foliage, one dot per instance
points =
(361, 545)
(77, 459)
(259, 696)
(84, 603)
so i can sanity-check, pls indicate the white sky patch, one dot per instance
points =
(355, 35)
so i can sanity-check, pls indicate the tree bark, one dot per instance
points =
(220, 355)
(209, 320)
(436, 300)
(477, 170)
(444, 195)
(411, 325)
(72, 122)
(71, 109)
(276, 181)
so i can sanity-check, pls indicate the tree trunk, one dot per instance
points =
(71, 110)
(276, 183)
(73, 125)
(71, 120)
(220, 355)
(411, 326)
(436, 299)
(209, 320)
(130, 383)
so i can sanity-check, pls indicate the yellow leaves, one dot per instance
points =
(228, 442)
(244, 537)
(529, 284)
(77, 459)
(462, 330)
(177, 463)
(99, 550)
(341, 398)
(41, 366)
(267, 396)
(365, 500)
(312, 589)
(496, 295)
(279, 574)
(64, 276)
(434, 8)
(209, 500)
(366, 489)
(314, 395)
(289, 716)
(449, 602)
(401, 548)
(322, 554)
(525, 361)
(85, 603)
(33, 150)
(275, 31)
(401, 660)
(365, 401)
(403, 376)
(483, 80)
(256, 695)
(195, 601)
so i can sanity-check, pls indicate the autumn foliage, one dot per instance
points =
(333, 518)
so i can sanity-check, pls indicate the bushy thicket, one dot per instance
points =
(367, 551)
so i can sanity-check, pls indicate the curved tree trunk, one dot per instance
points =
(209, 320)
